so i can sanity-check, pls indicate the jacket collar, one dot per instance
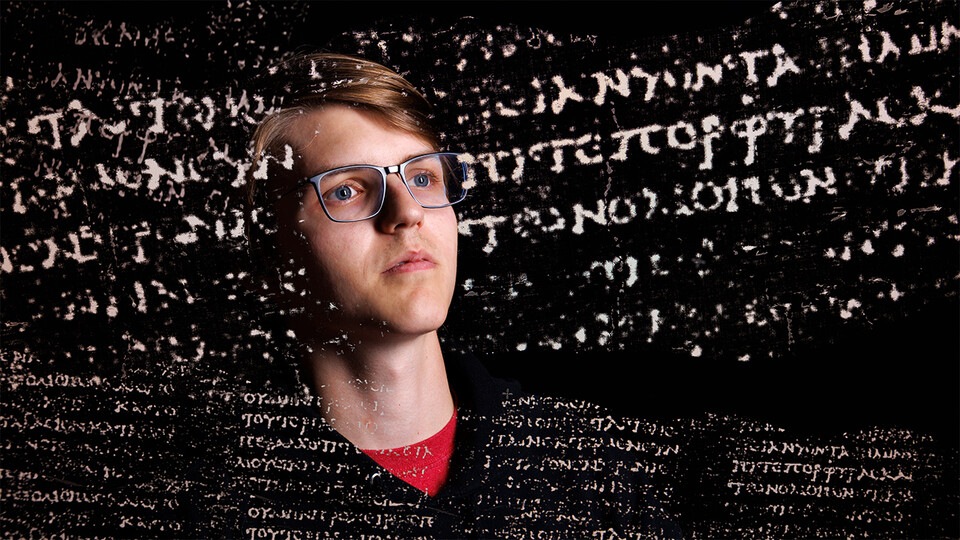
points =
(480, 400)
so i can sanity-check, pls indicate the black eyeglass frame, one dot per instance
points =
(384, 172)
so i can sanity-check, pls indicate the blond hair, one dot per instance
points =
(306, 82)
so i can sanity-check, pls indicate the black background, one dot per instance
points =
(894, 368)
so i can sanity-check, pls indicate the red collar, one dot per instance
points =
(424, 465)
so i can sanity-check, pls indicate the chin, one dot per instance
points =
(416, 321)
(415, 326)
(419, 313)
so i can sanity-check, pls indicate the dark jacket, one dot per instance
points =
(523, 467)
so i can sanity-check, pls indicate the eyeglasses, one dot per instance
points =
(356, 192)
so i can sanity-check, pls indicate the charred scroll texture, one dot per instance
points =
(738, 194)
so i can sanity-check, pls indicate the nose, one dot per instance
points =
(400, 209)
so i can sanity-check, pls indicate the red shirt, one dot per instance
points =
(424, 465)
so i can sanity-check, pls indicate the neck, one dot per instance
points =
(382, 394)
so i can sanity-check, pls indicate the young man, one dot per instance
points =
(394, 436)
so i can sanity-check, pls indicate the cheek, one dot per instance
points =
(333, 258)
(320, 246)
(452, 234)
(447, 240)
(454, 237)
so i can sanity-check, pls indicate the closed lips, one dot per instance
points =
(410, 262)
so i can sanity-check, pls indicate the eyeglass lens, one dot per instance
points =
(355, 193)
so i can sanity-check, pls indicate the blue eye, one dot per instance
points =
(420, 180)
(343, 193)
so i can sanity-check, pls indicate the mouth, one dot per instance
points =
(411, 261)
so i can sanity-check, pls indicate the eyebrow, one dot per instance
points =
(408, 157)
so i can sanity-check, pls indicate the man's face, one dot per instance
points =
(390, 275)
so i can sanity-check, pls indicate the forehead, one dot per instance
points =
(338, 135)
